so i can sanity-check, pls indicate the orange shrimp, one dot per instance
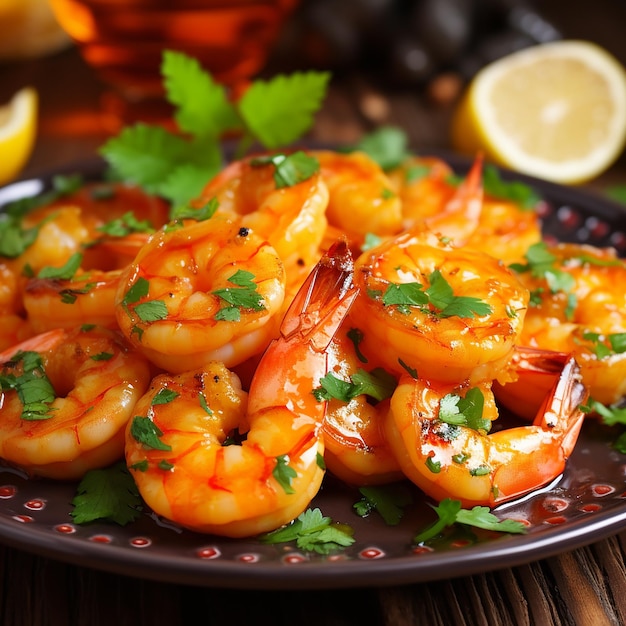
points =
(202, 291)
(356, 449)
(290, 215)
(578, 306)
(185, 468)
(65, 400)
(449, 452)
(361, 195)
(452, 314)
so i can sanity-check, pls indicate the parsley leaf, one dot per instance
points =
(65, 272)
(177, 166)
(291, 169)
(147, 433)
(378, 384)
(284, 473)
(279, 111)
(517, 192)
(450, 512)
(243, 296)
(465, 411)
(312, 532)
(386, 145)
(107, 494)
(388, 501)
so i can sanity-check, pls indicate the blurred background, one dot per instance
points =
(400, 60)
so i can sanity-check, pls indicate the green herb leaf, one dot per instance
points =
(147, 433)
(450, 512)
(386, 145)
(107, 494)
(279, 111)
(389, 501)
(378, 384)
(284, 473)
(312, 532)
(446, 304)
(66, 271)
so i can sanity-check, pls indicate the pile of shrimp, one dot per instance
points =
(363, 322)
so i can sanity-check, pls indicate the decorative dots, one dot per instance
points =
(140, 542)
(568, 217)
(602, 490)
(422, 550)
(101, 538)
(590, 508)
(371, 553)
(35, 505)
(209, 552)
(25, 519)
(249, 557)
(8, 491)
(556, 520)
(65, 529)
(294, 559)
(555, 505)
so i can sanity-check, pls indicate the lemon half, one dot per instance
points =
(556, 111)
(18, 129)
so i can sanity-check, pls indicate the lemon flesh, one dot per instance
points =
(556, 111)
(18, 129)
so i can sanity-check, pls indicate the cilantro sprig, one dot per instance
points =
(107, 494)
(378, 384)
(438, 299)
(449, 512)
(176, 166)
(389, 501)
(32, 385)
(312, 532)
(243, 295)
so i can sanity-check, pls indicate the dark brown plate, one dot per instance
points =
(585, 504)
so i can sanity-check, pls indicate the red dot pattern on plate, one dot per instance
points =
(602, 490)
(371, 553)
(140, 542)
(8, 491)
(65, 529)
(422, 550)
(26, 519)
(249, 558)
(590, 508)
(35, 505)
(209, 552)
(556, 520)
(101, 538)
(461, 543)
(294, 559)
(555, 505)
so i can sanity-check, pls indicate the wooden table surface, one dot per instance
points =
(586, 586)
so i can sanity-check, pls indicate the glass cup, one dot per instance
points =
(123, 41)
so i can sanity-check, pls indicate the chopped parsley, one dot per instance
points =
(290, 169)
(33, 387)
(284, 473)
(450, 512)
(312, 532)
(243, 295)
(378, 384)
(438, 299)
(465, 411)
(389, 501)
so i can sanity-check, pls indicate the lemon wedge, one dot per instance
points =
(556, 111)
(18, 129)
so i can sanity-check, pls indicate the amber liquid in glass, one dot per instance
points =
(123, 40)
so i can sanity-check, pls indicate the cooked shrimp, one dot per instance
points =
(290, 215)
(472, 218)
(445, 449)
(447, 313)
(361, 197)
(86, 298)
(209, 290)
(65, 399)
(356, 449)
(422, 184)
(578, 305)
(178, 450)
